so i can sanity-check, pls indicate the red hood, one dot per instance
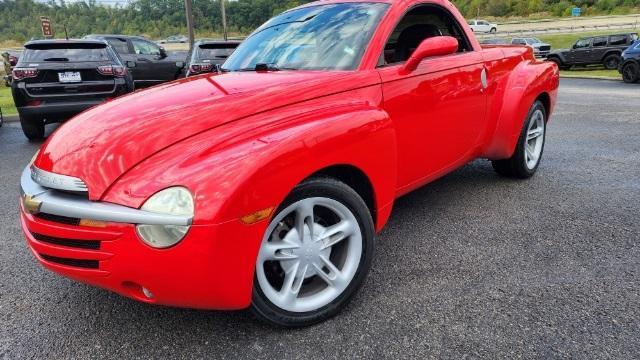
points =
(101, 144)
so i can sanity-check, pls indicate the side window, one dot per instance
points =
(418, 24)
(519, 41)
(483, 23)
(599, 41)
(142, 47)
(617, 40)
(119, 45)
(581, 44)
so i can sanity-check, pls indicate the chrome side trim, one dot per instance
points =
(57, 181)
(69, 205)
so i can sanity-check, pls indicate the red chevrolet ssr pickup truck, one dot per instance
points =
(264, 185)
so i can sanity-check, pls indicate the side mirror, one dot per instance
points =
(435, 46)
(131, 64)
(179, 64)
(163, 53)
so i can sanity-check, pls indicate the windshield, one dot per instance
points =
(323, 37)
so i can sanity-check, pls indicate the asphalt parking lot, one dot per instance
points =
(472, 265)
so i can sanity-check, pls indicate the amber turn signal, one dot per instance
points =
(93, 223)
(256, 216)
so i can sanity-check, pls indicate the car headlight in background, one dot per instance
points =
(171, 201)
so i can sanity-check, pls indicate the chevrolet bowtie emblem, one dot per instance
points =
(31, 204)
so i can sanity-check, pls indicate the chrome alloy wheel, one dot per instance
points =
(535, 139)
(309, 255)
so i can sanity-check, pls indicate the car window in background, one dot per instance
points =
(331, 36)
(617, 40)
(119, 45)
(599, 41)
(215, 51)
(142, 47)
(66, 53)
(582, 43)
(519, 41)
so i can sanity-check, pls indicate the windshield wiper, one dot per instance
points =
(56, 59)
(263, 67)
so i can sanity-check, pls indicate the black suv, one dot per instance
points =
(630, 66)
(56, 79)
(208, 55)
(605, 50)
(153, 65)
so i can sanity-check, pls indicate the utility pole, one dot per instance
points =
(189, 14)
(224, 20)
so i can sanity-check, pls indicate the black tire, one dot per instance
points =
(516, 165)
(630, 72)
(266, 310)
(493, 30)
(33, 127)
(611, 62)
(559, 62)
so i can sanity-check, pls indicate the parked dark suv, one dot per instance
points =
(605, 50)
(630, 65)
(56, 79)
(207, 55)
(153, 65)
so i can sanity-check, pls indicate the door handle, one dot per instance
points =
(483, 79)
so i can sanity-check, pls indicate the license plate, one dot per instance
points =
(69, 77)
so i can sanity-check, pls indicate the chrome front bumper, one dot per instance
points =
(37, 198)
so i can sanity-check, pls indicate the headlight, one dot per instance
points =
(171, 201)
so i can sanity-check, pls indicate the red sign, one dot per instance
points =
(47, 30)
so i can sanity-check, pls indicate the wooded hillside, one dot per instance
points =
(19, 19)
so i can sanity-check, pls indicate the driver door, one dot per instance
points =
(580, 52)
(439, 109)
(151, 66)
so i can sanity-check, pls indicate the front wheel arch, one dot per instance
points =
(356, 179)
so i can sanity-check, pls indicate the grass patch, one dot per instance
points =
(6, 101)
(596, 71)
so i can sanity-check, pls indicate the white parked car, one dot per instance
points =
(482, 26)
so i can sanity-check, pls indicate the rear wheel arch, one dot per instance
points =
(545, 99)
(612, 52)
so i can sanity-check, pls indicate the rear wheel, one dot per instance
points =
(315, 254)
(493, 30)
(33, 127)
(611, 62)
(630, 72)
(526, 158)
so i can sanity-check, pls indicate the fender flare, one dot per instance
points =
(529, 81)
(611, 52)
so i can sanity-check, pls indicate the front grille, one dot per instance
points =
(58, 219)
(80, 244)
(545, 48)
(86, 264)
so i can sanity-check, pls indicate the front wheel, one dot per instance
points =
(630, 72)
(525, 160)
(314, 256)
(559, 62)
(493, 30)
(611, 62)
